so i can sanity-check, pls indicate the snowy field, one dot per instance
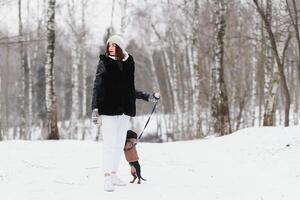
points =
(251, 164)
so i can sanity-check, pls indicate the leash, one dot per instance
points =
(153, 109)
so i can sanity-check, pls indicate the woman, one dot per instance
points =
(114, 97)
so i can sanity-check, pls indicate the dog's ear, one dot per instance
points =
(131, 134)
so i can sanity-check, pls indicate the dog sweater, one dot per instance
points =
(130, 151)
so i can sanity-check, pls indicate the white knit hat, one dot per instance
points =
(117, 39)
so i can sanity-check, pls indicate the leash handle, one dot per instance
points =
(153, 109)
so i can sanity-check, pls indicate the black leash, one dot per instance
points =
(148, 120)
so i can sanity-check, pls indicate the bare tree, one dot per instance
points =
(293, 13)
(49, 70)
(1, 129)
(111, 30)
(219, 105)
(5, 92)
(124, 17)
(194, 60)
(21, 81)
(38, 71)
(255, 63)
(29, 80)
(170, 75)
(75, 55)
(294, 18)
(83, 63)
(280, 64)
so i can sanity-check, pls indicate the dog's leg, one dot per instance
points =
(133, 173)
(134, 178)
(138, 171)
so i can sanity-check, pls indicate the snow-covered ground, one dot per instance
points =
(251, 164)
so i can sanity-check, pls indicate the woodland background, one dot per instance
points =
(219, 65)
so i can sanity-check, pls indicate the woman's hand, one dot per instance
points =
(96, 117)
(154, 97)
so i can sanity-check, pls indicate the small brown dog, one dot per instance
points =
(132, 156)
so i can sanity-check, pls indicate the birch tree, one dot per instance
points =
(75, 55)
(83, 63)
(268, 116)
(49, 73)
(29, 79)
(219, 104)
(21, 81)
(237, 73)
(195, 71)
(37, 71)
(170, 77)
(155, 86)
(293, 11)
(5, 92)
(270, 74)
(1, 95)
(111, 30)
(124, 17)
(293, 80)
(255, 46)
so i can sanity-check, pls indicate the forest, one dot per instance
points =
(219, 65)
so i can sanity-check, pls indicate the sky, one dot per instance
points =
(97, 16)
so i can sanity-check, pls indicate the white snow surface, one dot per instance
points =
(250, 164)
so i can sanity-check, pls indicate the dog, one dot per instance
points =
(131, 156)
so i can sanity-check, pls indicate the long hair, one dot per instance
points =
(119, 53)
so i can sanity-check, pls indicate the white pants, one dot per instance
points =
(114, 130)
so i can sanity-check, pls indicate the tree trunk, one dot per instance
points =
(29, 95)
(293, 13)
(5, 110)
(279, 62)
(84, 67)
(175, 74)
(21, 81)
(172, 83)
(29, 81)
(263, 60)
(241, 105)
(75, 88)
(254, 95)
(1, 113)
(296, 104)
(124, 16)
(155, 87)
(112, 16)
(49, 72)
(75, 54)
(195, 72)
(268, 119)
(84, 64)
(220, 108)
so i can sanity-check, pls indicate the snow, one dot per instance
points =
(251, 164)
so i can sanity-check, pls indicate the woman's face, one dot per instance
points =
(112, 49)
